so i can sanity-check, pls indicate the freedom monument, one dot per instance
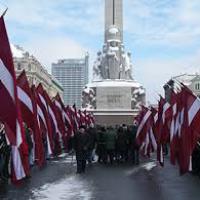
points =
(113, 96)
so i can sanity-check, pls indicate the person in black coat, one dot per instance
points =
(101, 145)
(80, 144)
(134, 145)
(196, 160)
(91, 144)
(121, 145)
(4, 155)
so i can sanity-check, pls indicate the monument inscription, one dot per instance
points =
(113, 98)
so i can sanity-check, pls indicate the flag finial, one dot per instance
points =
(4, 12)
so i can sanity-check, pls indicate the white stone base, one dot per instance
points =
(114, 99)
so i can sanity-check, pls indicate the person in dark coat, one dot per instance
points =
(126, 133)
(110, 143)
(5, 150)
(196, 160)
(101, 145)
(80, 144)
(134, 145)
(29, 142)
(91, 144)
(121, 145)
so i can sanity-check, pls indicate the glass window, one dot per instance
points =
(197, 86)
(29, 67)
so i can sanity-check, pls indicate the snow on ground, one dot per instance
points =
(149, 166)
(146, 166)
(63, 155)
(68, 188)
(70, 159)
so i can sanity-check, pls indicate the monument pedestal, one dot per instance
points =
(110, 117)
(113, 101)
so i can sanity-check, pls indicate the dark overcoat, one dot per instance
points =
(80, 143)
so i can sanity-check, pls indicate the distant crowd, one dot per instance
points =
(110, 144)
(114, 145)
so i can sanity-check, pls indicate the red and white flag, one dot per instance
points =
(71, 118)
(56, 134)
(40, 129)
(82, 117)
(144, 125)
(145, 137)
(91, 119)
(193, 107)
(25, 97)
(174, 139)
(10, 110)
(155, 121)
(189, 130)
(43, 105)
(66, 115)
(160, 130)
(74, 116)
(61, 119)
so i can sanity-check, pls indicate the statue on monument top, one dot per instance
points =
(113, 62)
(113, 88)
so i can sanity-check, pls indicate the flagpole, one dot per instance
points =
(4, 12)
(6, 8)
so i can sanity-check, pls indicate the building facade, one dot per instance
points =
(73, 75)
(35, 72)
(192, 81)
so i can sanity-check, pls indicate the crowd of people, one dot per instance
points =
(110, 144)
(114, 145)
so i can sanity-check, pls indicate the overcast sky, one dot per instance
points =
(162, 35)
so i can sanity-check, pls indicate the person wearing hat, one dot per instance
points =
(80, 144)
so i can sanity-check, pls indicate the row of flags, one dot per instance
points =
(48, 118)
(176, 123)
